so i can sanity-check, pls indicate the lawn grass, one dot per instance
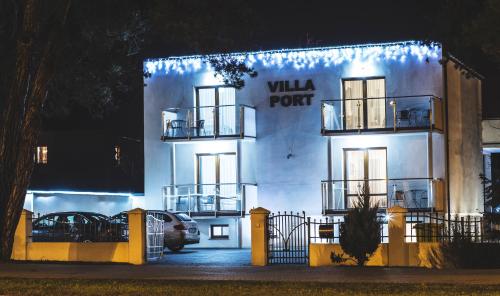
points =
(207, 288)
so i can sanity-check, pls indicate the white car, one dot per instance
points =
(179, 228)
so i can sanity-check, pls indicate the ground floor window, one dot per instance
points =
(219, 231)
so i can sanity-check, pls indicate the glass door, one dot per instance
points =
(353, 102)
(375, 93)
(366, 169)
(217, 181)
(227, 111)
(205, 103)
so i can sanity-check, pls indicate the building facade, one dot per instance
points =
(309, 133)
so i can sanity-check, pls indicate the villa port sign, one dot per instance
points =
(291, 93)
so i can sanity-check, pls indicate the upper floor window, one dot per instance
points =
(364, 103)
(41, 154)
(117, 154)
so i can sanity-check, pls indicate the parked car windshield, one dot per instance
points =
(182, 217)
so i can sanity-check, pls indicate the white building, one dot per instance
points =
(305, 135)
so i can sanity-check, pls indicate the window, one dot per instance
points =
(41, 154)
(117, 155)
(364, 103)
(220, 231)
(216, 103)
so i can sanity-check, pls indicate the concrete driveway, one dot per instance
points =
(208, 257)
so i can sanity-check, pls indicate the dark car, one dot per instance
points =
(75, 227)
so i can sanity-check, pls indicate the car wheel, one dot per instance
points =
(175, 248)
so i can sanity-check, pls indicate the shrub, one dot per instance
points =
(360, 232)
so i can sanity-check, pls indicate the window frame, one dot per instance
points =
(219, 237)
(364, 99)
(366, 170)
(39, 151)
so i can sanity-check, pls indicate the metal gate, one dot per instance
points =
(288, 238)
(154, 236)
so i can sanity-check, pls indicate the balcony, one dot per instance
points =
(208, 123)
(382, 115)
(417, 194)
(209, 200)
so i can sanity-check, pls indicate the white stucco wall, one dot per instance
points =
(464, 140)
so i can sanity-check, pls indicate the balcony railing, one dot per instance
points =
(417, 193)
(387, 114)
(222, 199)
(227, 121)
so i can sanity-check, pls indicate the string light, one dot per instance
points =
(306, 58)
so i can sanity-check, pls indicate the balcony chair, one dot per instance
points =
(403, 116)
(398, 198)
(178, 127)
(198, 127)
(207, 203)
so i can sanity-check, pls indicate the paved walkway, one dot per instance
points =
(208, 257)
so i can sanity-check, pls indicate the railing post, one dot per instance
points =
(394, 123)
(216, 120)
(259, 236)
(242, 122)
(189, 124)
(397, 252)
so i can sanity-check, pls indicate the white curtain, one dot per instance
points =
(227, 112)
(206, 102)
(227, 177)
(355, 169)
(375, 92)
(377, 169)
(353, 89)
(207, 166)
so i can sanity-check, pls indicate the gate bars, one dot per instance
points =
(288, 238)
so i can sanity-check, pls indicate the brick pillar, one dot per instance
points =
(258, 219)
(137, 236)
(397, 251)
(22, 236)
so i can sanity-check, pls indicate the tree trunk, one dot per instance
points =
(20, 123)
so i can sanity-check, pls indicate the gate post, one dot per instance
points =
(137, 236)
(22, 236)
(397, 252)
(258, 218)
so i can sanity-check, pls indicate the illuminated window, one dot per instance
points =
(219, 231)
(117, 155)
(41, 155)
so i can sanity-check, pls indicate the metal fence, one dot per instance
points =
(436, 227)
(327, 231)
(77, 228)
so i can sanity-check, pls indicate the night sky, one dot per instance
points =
(291, 24)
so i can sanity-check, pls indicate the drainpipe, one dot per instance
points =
(447, 146)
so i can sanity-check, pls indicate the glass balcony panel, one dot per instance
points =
(387, 113)
(408, 193)
(208, 122)
(207, 199)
